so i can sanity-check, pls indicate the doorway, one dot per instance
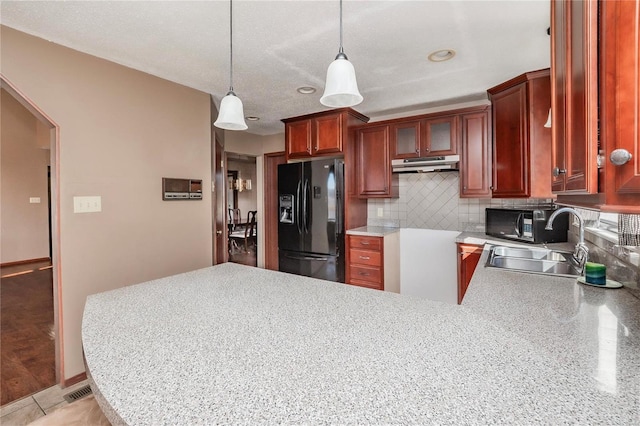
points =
(30, 331)
(242, 209)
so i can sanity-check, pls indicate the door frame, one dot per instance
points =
(54, 160)
(271, 162)
(219, 197)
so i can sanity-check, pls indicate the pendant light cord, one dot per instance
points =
(231, 46)
(341, 49)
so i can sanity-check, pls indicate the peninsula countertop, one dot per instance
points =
(241, 345)
(372, 231)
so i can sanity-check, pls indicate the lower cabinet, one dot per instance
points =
(468, 257)
(367, 265)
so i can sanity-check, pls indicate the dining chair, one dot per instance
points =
(236, 231)
(245, 235)
(251, 231)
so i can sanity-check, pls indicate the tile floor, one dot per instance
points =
(24, 411)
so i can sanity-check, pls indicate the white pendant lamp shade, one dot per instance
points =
(231, 115)
(341, 88)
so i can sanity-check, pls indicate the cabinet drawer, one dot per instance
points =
(365, 257)
(365, 273)
(367, 284)
(367, 243)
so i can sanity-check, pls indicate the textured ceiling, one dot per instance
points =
(282, 45)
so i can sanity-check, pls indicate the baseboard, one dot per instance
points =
(23, 262)
(73, 380)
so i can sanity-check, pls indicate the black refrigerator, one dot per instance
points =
(311, 219)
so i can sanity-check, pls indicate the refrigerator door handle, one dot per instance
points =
(339, 188)
(305, 201)
(320, 259)
(298, 217)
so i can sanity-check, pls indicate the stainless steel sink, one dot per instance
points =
(534, 260)
(532, 253)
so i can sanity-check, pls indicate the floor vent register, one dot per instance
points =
(76, 395)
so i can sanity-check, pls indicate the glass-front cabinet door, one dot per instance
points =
(405, 139)
(424, 138)
(440, 136)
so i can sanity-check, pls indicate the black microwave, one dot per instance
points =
(526, 224)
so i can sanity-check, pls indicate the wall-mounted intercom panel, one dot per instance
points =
(181, 189)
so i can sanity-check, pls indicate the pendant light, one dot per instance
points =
(341, 88)
(231, 115)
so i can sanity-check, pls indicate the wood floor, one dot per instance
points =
(244, 257)
(27, 348)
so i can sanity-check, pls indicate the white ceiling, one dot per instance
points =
(282, 45)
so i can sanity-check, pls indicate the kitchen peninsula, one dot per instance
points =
(240, 345)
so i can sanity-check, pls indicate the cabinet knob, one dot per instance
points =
(218, 232)
(558, 171)
(620, 156)
(417, 151)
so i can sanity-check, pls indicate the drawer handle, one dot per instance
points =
(364, 243)
(364, 274)
(365, 257)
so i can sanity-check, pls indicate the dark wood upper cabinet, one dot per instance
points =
(298, 139)
(321, 134)
(620, 104)
(433, 136)
(375, 179)
(596, 98)
(440, 136)
(328, 134)
(475, 154)
(405, 139)
(521, 143)
(574, 60)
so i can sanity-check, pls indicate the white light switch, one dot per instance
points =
(87, 204)
(34, 200)
(380, 212)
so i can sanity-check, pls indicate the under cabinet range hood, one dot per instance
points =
(426, 164)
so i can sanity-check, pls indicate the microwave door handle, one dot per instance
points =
(519, 225)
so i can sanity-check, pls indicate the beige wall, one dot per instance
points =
(250, 144)
(121, 131)
(24, 226)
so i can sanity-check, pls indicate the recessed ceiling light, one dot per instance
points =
(306, 90)
(252, 118)
(442, 55)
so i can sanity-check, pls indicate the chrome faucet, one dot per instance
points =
(581, 252)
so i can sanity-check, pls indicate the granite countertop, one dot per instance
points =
(241, 345)
(372, 231)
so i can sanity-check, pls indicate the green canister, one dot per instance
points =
(595, 273)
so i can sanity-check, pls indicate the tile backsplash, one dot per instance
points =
(432, 201)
